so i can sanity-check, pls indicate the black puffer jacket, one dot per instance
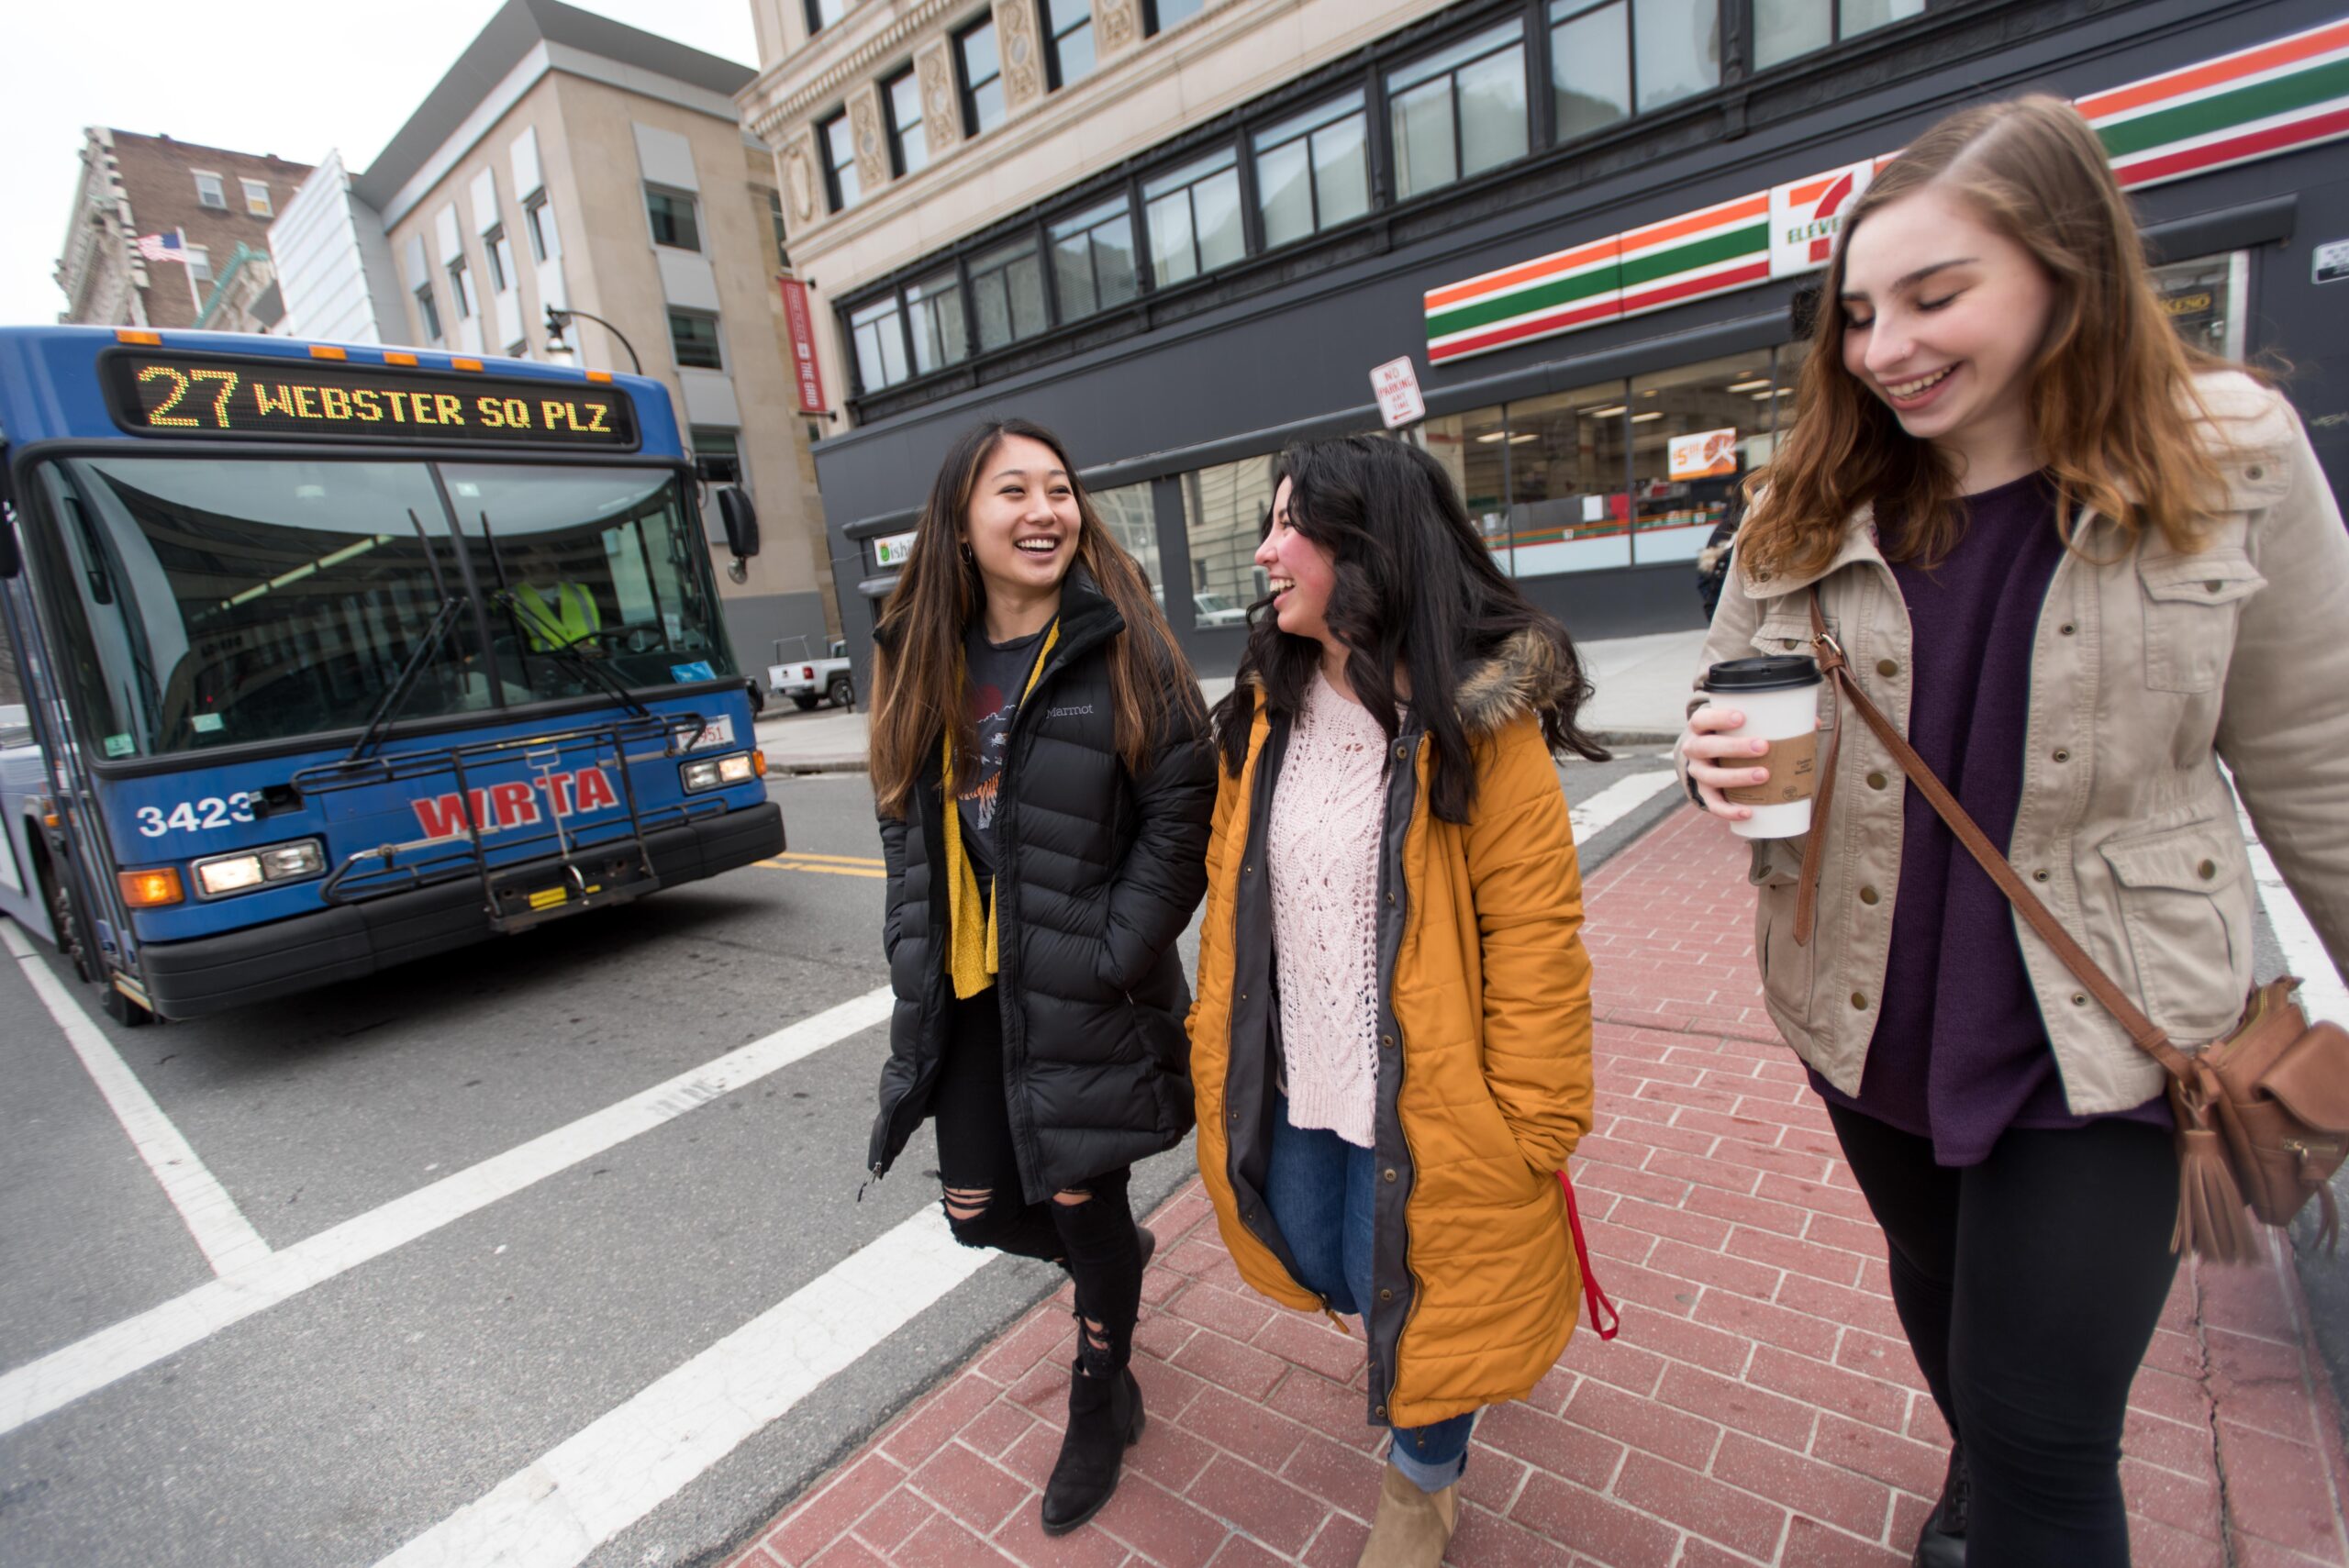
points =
(1099, 872)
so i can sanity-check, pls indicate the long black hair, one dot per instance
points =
(1416, 591)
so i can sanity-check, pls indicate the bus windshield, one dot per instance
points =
(217, 603)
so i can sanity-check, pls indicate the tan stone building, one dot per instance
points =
(568, 162)
(220, 203)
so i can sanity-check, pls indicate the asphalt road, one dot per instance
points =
(468, 1322)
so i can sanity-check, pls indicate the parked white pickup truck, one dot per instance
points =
(807, 681)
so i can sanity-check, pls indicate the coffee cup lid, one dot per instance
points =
(1775, 672)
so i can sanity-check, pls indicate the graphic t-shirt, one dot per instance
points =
(996, 674)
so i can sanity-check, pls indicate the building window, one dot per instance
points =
(1224, 520)
(1068, 41)
(1194, 218)
(837, 145)
(1313, 171)
(1007, 294)
(1681, 486)
(718, 454)
(692, 337)
(822, 14)
(256, 199)
(199, 270)
(934, 314)
(908, 134)
(1786, 29)
(1458, 112)
(461, 289)
(878, 331)
(210, 193)
(1160, 14)
(498, 252)
(1132, 520)
(539, 223)
(1609, 60)
(774, 216)
(1092, 259)
(982, 74)
(427, 312)
(673, 221)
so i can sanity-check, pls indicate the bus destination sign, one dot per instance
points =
(168, 394)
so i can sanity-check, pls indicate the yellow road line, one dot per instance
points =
(825, 870)
(837, 859)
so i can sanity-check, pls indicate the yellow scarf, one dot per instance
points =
(971, 949)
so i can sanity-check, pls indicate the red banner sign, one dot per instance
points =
(802, 322)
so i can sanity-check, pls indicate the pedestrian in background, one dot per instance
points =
(1039, 766)
(1391, 1043)
(1713, 562)
(2079, 563)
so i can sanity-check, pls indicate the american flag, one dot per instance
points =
(163, 248)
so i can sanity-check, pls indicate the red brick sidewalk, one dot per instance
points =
(1760, 1406)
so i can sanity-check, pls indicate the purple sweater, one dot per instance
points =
(1960, 1054)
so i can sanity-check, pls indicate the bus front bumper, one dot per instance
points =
(237, 968)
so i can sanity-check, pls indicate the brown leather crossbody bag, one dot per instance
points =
(2262, 1112)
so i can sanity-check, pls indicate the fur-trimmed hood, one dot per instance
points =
(1525, 675)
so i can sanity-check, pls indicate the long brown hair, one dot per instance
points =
(2110, 391)
(917, 643)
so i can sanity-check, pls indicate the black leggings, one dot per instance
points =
(1095, 1239)
(2029, 1286)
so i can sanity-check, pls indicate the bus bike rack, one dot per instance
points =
(598, 865)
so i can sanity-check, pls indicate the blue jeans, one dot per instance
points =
(1318, 1188)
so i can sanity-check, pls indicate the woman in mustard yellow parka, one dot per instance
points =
(1391, 1046)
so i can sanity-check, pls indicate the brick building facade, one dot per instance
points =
(134, 185)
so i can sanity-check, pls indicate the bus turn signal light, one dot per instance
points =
(151, 889)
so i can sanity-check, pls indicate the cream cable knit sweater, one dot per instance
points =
(1328, 811)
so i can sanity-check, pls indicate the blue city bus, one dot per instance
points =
(339, 657)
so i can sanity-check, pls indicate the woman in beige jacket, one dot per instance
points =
(2079, 565)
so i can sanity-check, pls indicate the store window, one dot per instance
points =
(1007, 294)
(1473, 449)
(934, 312)
(1068, 41)
(2204, 297)
(1696, 431)
(878, 331)
(1458, 112)
(1609, 62)
(1313, 171)
(1783, 30)
(1092, 259)
(1193, 213)
(1568, 507)
(693, 337)
(837, 144)
(1132, 520)
(1224, 510)
(908, 134)
(982, 74)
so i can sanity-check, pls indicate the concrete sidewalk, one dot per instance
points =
(1642, 691)
(1759, 1407)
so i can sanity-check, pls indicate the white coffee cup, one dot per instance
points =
(1780, 697)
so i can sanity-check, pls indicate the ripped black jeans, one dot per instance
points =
(1088, 1227)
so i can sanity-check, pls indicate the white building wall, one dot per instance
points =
(334, 265)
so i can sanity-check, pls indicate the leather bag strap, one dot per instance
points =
(2150, 1037)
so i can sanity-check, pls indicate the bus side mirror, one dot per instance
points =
(741, 520)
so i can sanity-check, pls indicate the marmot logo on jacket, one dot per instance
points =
(1081, 710)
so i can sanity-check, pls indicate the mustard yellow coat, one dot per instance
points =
(1483, 1071)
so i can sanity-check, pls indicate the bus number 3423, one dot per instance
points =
(195, 816)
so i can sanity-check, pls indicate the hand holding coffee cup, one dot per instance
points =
(1752, 751)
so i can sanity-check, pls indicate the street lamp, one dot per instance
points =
(558, 322)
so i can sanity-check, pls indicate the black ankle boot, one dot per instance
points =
(1149, 1242)
(1104, 1416)
(1941, 1543)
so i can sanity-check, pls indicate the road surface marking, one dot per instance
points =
(2321, 994)
(33, 1390)
(830, 859)
(787, 862)
(555, 1512)
(1617, 801)
(219, 1226)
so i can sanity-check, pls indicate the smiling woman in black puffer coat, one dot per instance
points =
(1039, 766)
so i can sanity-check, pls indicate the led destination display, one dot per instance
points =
(168, 394)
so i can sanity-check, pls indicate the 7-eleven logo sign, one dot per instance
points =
(1807, 214)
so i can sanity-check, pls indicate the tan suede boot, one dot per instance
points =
(1413, 1527)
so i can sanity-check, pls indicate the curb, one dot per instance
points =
(837, 765)
(857, 765)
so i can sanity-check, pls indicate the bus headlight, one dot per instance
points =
(222, 874)
(717, 773)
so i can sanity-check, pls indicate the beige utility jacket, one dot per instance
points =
(2146, 672)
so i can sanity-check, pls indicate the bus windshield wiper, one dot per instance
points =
(565, 651)
(386, 710)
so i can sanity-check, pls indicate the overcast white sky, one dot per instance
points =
(291, 77)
